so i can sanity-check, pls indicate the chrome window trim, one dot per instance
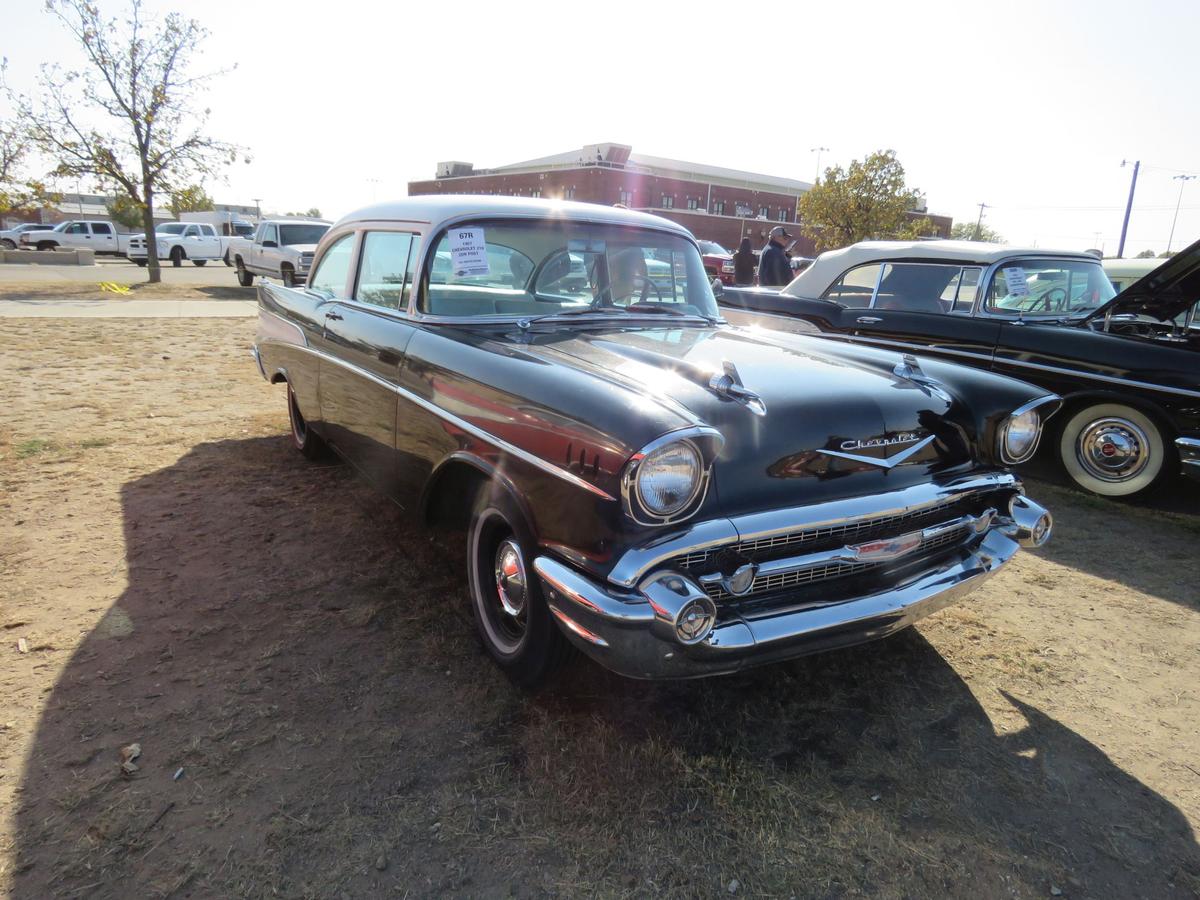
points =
(462, 424)
(712, 533)
(980, 309)
(356, 271)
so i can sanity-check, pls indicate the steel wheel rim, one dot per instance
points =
(510, 610)
(1113, 449)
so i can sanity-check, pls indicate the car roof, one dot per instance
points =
(1131, 266)
(438, 208)
(829, 266)
(286, 220)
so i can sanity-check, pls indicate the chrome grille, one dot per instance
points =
(767, 584)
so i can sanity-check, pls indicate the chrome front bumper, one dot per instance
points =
(636, 630)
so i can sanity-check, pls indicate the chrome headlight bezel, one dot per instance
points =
(694, 442)
(1024, 418)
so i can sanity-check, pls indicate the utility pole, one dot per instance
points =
(979, 222)
(257, 209)
(818, 151)
(1128, 205)
(1182, 179)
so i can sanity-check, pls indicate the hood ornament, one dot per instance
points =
(910, 370)
(889, 462)
(728, 384)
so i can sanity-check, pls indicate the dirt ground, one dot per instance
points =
(316, 718)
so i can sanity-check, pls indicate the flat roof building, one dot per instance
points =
(714, 203)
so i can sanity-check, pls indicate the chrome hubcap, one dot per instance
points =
(510, 578)
(1113, 449)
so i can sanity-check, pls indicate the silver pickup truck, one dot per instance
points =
(280, 248)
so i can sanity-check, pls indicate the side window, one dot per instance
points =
(856, 287)
(385, 271)
(191, 231)
(208, 231)
(333, 268)
(959, 295)
(915, 287)
(77, 228)
(101, 228)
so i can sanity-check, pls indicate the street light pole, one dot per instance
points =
(1128, 205)
(1182, 179)
(818, 151)
(257, 209)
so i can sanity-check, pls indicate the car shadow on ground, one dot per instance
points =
(295, 659)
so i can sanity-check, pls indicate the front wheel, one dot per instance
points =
(6, 244)
(304, 438)
(199, 262)
(511, 616)
(1113, 450)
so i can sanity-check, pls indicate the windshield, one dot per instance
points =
(1049, 287)
(712, 248)
(531, 268)
(171, 228)
(301, 234)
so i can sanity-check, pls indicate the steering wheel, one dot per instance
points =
(1050, 301)
(647, 284)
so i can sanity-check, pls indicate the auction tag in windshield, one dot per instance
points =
(468, 252)
(1014, 279)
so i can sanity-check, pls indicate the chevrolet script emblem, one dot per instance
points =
(904, 437)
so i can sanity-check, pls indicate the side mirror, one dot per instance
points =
(718, 289)
(270, 243)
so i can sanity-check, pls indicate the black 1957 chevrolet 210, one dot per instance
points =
(673, 496)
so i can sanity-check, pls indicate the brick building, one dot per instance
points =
(714, 203)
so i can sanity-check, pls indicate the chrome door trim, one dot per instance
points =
(464, 425)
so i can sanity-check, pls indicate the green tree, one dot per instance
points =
(125, 212)
(190, 199)
(867, 200)
(965, 231)
(1146, 254)
(313, 213)
(128, 118)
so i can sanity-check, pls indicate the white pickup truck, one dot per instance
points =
(102, 237)
(178, 241)
(281, 248)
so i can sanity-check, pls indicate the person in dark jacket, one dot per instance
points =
(743, 264)
(774, 270)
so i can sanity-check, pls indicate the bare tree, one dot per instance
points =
(128, 119)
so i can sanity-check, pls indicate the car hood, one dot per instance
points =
(301, 248)
(1164, 293)
(815, 400)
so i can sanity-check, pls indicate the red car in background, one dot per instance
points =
(718, 262)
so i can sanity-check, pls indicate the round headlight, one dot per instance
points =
(668, 478)
(1020, 436)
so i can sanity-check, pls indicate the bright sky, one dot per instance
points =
(1028, 107)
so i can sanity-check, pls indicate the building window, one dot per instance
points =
(569, 194)
(762, 212)
(783, 215)
(668, 202)
(693, 203)
(626, 198)
(718, 207)
(536, 192)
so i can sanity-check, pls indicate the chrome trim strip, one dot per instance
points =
(464, 425)
(1189, 454)
(711, 533)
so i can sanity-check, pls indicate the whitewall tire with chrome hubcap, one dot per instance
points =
(1112, 450)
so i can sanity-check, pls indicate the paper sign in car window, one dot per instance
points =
(1014, 279)
(468, 252)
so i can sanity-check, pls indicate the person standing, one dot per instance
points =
(774, 270)
(743, 264)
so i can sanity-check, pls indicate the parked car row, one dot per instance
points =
(1125, 364)
(638, 479)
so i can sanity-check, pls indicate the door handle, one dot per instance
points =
(334, 315)
(868, 320)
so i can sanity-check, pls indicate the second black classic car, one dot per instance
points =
(671, 495)
(1126, 367)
